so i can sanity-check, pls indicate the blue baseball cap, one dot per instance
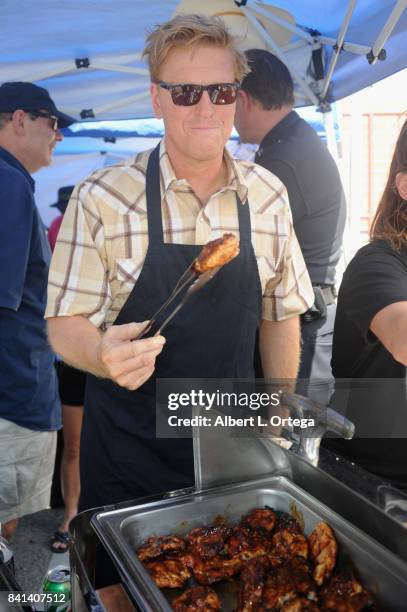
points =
(29, 97)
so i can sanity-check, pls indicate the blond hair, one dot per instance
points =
(187, 31)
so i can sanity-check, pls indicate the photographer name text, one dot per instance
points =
(229, 421)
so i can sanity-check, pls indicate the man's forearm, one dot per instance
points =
(111, 354)
(280, 348)
(76, 340)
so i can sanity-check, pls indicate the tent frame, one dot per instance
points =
(317, 95)
(374, 53)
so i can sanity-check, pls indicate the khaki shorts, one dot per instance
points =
(26, 467)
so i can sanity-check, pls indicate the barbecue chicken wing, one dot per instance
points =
(300, 604)
(323, 550)
(262, 519)
(207, 542)
(285, 521)
(247, 543)
(217, 253)
(157, 546)
(360, 602)
(197, 599)
(214, 570)
(168, 573)
(287, 544)
(344, 593)
(286, 581)
(251, 584)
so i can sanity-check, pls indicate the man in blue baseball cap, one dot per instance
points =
(29, 403)
(32, 99)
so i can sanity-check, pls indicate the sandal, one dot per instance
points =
(61, 538)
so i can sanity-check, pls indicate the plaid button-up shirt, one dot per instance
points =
(103, 239)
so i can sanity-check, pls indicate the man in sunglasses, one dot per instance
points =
(29, 404)
(129, 234)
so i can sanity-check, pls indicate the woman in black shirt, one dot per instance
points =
(370, 337)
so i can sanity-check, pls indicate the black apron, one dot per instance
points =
(211, 337)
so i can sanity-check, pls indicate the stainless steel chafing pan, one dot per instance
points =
(122, 531)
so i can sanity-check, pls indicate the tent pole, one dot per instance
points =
(338, 47)
(350, 47)
(332, 145)
(328, 120)
(297, 44)
(356, 172)
(97, 110)
(63, 68)
(277, 51)
(70, 66)
(377, 51)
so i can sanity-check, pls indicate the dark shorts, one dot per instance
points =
(71, 384)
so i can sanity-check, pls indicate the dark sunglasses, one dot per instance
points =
(185, 94)
(53, 122)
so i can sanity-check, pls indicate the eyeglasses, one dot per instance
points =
(53, 122)
(187, 95)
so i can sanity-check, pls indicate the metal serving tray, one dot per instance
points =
(122, 531)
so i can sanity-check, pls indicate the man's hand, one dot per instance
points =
(108, 355)
(128, 363)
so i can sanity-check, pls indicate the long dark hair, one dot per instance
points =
(390, 220)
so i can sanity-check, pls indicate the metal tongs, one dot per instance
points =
(195, 280)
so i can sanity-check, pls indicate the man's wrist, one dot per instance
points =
(96, 358)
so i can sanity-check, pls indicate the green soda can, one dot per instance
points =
(57, 588)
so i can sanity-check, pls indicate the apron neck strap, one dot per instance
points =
(245, 227)
(153, 195)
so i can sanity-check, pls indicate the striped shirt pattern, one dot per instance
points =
(103, 238)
